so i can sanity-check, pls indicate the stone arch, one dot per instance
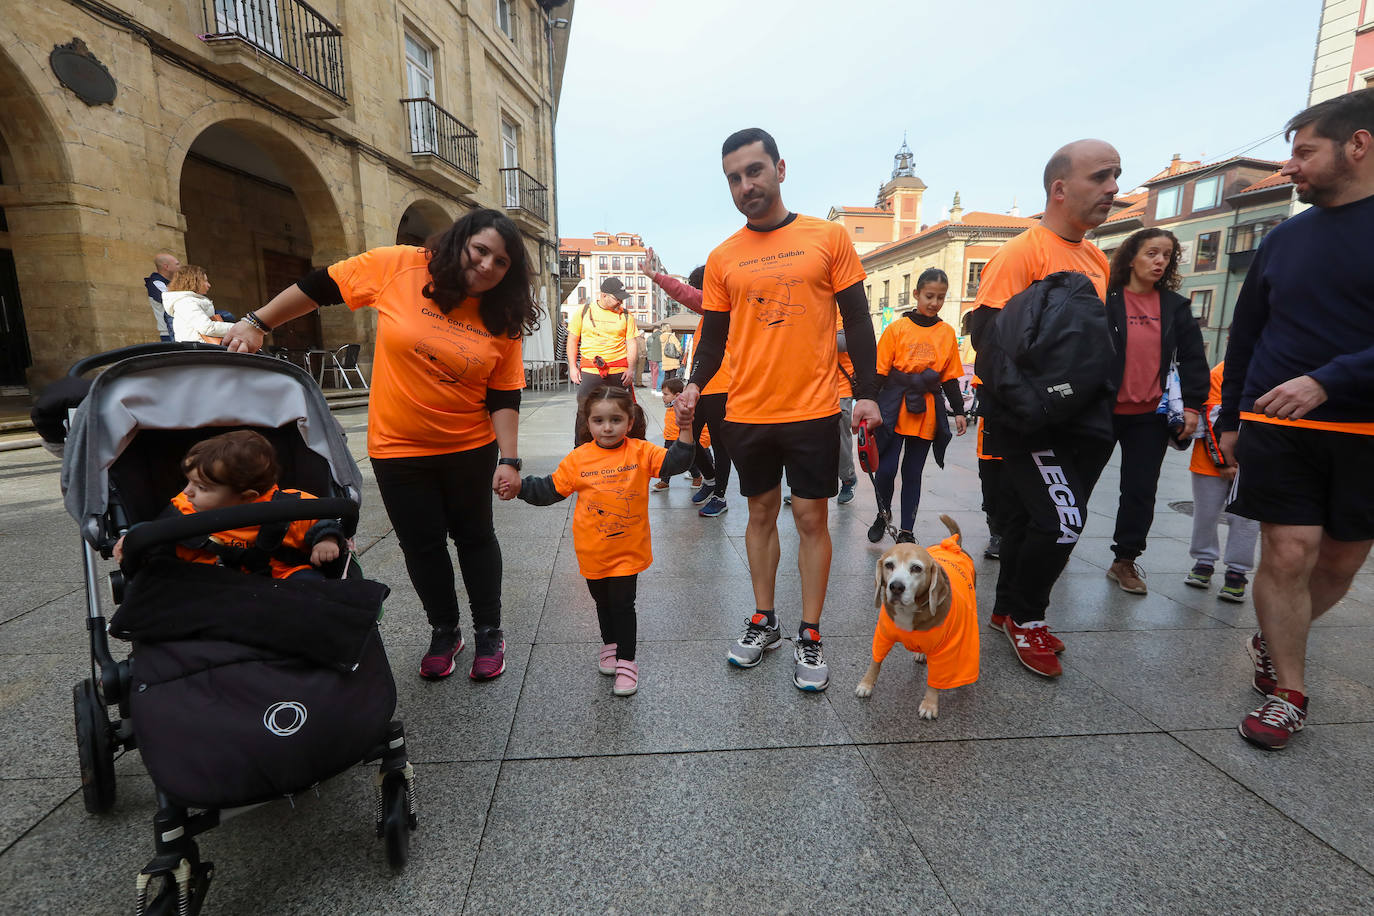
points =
(41, 270)
(324, 218)
(420, 217)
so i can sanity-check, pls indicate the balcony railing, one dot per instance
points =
(902, 299)
(435, 132)
(971, 290)
(291, 31)
(882, 302)
(524, 193)
(569, 268)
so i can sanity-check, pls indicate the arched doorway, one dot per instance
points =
(419, 221)
(255, 210)
(33, 162)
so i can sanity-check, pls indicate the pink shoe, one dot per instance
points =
(626, 678)
(605, 662)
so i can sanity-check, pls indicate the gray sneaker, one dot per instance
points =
(758, 638)
(810, 673)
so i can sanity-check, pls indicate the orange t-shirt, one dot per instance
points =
(1034, 255)
(1201, 463)
(671, 430)
(246, 537)
(1358, 428)
(951, 649)
(720, 382)
(611, 519)
(603, 334)
(431, 371)
(908, 347)
(780, 288)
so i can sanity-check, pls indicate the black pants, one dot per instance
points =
(1044, 504)
(710, 414)
(435, 497)
(911, 452)
(615, 612)
(1144, 439)
(990, 478)
(591, 380)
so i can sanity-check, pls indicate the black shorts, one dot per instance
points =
(1291, 475)
(806, 449)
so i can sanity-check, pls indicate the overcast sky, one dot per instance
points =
(984, 89)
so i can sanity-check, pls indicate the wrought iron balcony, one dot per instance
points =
(290, 31)
(902, 299)
(526, 194)
(570, 268)
(971, 290)
(435, 132)
(882, 302)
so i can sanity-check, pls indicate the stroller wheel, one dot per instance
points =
(396, 821)
(94, 748)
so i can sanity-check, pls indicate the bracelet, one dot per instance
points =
(253, 319)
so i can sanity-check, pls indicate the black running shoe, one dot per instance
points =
(877, 529)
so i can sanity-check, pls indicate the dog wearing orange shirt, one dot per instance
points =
(926, 601)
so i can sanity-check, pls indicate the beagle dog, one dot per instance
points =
(926, 601)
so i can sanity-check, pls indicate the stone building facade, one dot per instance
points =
(256, 138)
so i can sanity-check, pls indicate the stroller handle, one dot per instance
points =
(96, 360)
(161, 531)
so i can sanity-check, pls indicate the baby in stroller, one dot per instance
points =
(236, 469)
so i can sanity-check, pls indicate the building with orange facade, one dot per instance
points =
(589, 261)
(895, 215)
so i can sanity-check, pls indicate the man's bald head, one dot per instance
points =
(166, 263)
(1061, 163)
(1080, 185)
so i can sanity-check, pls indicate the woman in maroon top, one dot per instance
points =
(1153, 328)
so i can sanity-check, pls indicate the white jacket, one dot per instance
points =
(192, 315)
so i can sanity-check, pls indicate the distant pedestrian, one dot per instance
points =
(1212, 481)
(672, 352)
(1155, 332)
(188, 304)
(1299, 372)
(654, 353)
(602, 340)
(848, 478)
(164, 265)
(918, 365)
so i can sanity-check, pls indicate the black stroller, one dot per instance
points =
(239, 689)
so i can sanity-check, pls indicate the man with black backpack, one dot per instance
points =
(602, 343)
(1044, 355)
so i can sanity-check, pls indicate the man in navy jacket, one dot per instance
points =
(1298, 383)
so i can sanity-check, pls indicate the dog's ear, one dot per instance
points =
(878, 583)
(939, 596)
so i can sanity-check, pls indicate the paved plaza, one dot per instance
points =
(1121, 787)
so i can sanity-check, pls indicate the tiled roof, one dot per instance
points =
(1134, 210)
(974, 219)
(1269, 182)
(1187, 167)
(589, 245)
(866, 211)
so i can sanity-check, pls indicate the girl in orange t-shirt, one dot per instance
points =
(446, 379)
(611, 476)
(912, 345)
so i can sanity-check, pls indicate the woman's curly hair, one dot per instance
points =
(507, 309)
(1122, 258)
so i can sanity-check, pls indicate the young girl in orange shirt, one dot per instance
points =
(918, 360)
(611, 475)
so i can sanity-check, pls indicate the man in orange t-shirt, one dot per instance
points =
(1046, 478)
(770, 297)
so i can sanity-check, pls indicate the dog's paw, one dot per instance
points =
(863, 690)
(920, 656)
(928, 710)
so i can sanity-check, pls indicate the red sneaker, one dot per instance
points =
(490, 655)
(999, 622)
(444, 644)
(1284, 712)
(1264, 680)
(1032, 648)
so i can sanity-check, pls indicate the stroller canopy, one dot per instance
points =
(191, 390)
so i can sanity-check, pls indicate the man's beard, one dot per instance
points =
(1321, 195)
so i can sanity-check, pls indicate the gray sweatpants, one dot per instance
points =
(1210, 496)
(846, 442)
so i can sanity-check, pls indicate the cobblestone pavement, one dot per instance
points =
(1121, 787)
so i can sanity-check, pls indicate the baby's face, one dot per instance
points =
(205, 495)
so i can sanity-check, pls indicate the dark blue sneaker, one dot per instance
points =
(714, 506)
(707, 489)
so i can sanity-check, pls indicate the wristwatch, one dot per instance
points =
(513, 462)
